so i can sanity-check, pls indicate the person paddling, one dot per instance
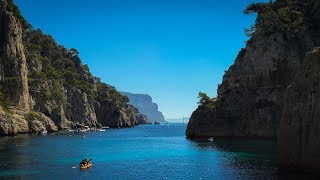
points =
(85, 163)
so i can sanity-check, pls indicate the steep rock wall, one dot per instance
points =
(299, 138)
(251, 97)
(13, 69)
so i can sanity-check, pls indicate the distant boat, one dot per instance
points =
(44, 132)
(211, 139)
(101, 130)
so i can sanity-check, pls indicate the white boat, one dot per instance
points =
(44, 132)
(106, 127)
(211, 139)
(101, 130)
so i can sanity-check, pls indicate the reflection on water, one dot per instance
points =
(143, 152)
(243, 155)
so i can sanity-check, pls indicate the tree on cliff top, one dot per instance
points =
(205, 100)
(287, 15)
(74, 52)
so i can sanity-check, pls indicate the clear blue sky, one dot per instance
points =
(169, 49)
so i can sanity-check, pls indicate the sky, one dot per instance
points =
(169, 49)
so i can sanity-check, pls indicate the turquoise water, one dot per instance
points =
(143, 152)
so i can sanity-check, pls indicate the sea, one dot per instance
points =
(143, 152)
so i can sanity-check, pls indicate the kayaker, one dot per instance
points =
(84, 161)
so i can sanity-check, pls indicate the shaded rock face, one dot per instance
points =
(299, 137)
(108, 114)
(144, 104)
(140, 119)
(250, 99)
(80, 109)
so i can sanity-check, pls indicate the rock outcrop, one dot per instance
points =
(144, 104)
(140, 119)
(250, 99)
(45, 87)
(299, 138)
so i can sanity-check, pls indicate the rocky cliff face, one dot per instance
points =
(250, 99)
(45, 86)
(145, 105)
(272, 89)
(299, 138)
(13, 68)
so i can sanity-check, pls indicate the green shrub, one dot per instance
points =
(34, 115)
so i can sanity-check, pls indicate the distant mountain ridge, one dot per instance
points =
(143, 102)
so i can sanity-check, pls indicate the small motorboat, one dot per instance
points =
(211, 139)
(101, 130)
(82, 130)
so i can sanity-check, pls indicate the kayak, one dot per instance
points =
(85, 166)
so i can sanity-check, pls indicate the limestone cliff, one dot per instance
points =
(13, 68)
(45, 86)
(299, 138)
(250, 99)
(145, 105)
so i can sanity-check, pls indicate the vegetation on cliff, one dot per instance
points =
(60, 66)
(284, 15)
(206, 101)
(52, 87)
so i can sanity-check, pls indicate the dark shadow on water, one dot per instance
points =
(237, 145)
(251, 156)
